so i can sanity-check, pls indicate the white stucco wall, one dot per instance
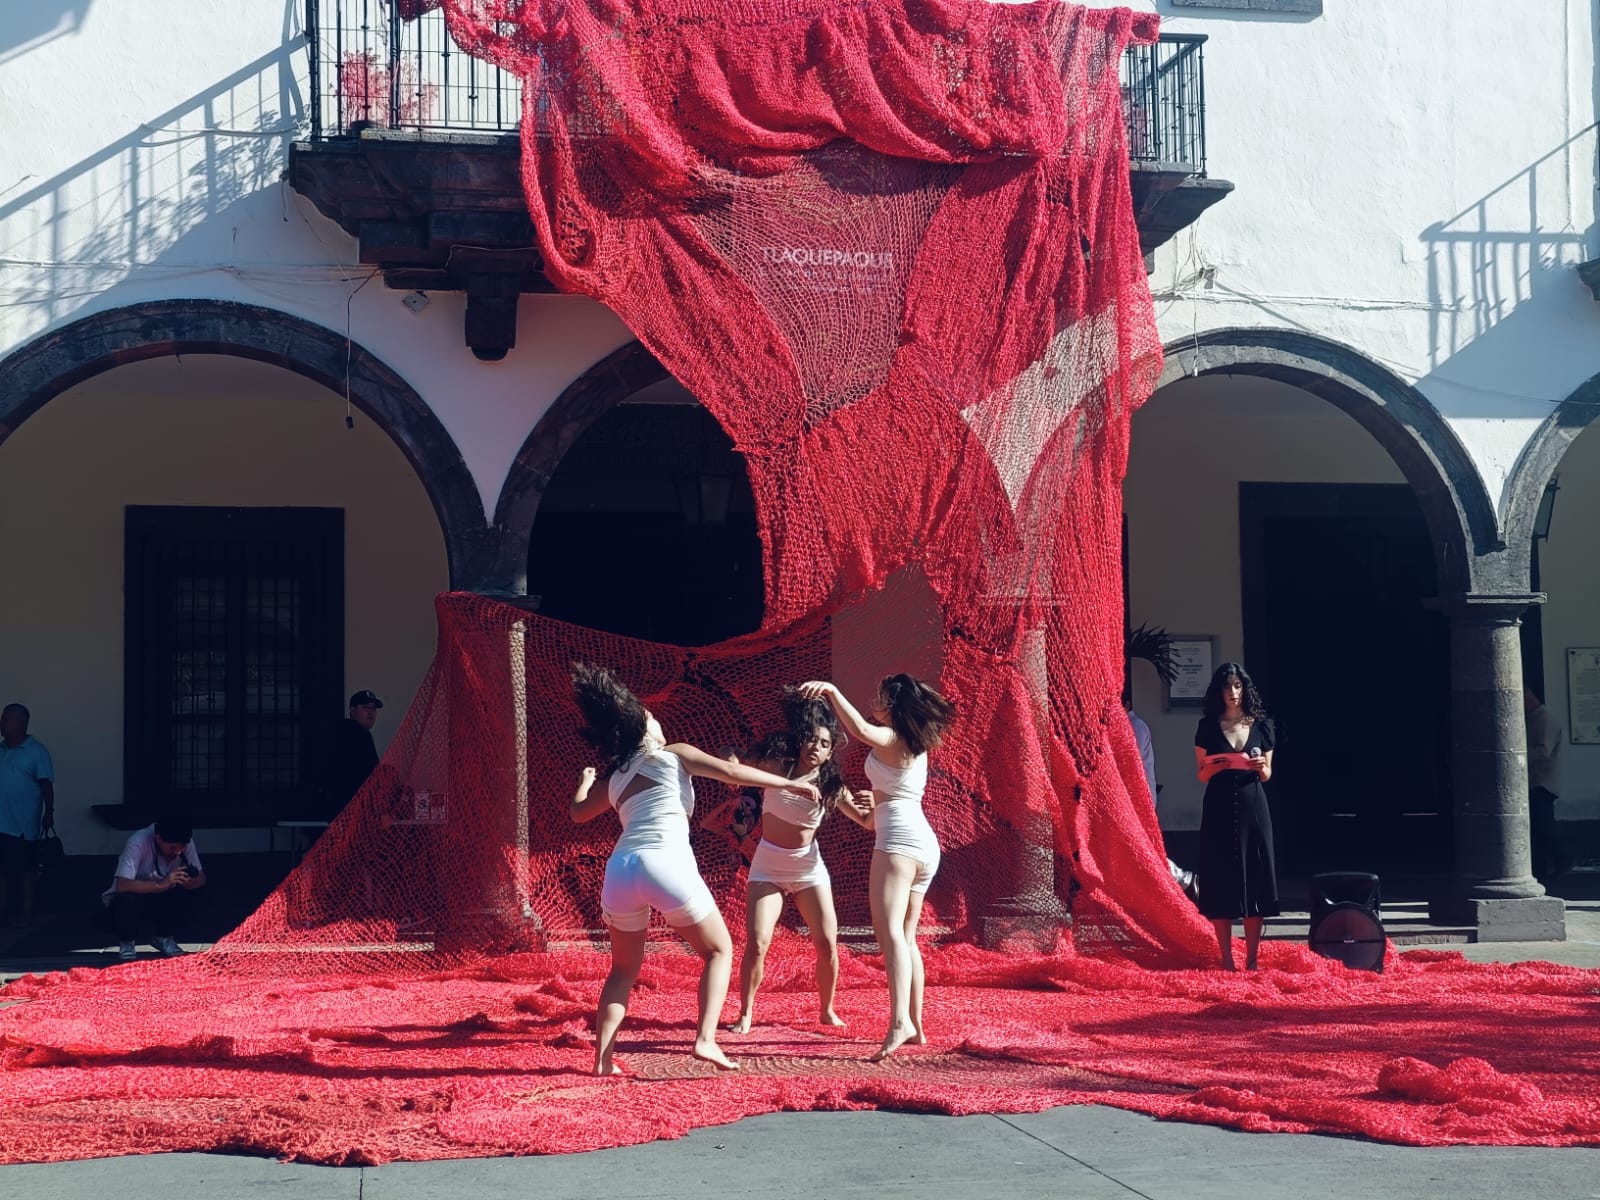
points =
(1414, 180)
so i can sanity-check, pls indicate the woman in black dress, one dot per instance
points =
(1233, 755)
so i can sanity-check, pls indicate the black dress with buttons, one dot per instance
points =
(1237, 875)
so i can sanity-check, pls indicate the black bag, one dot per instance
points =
(50, 853)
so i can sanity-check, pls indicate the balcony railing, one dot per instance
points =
(1164, 101)
(370, 68)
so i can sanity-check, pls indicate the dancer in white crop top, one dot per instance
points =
(788, 860)
(652, 866)
(908, 719)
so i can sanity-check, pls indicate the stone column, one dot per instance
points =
(1493, 889)
(1031, 915)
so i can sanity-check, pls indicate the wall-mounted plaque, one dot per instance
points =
(1309, 7)
(1195, 656)
(1583, 695)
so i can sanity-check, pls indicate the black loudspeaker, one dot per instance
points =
(1347, 919)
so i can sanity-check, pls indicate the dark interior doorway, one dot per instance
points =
(648, 529)
(1355, 670)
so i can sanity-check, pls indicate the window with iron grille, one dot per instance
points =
(234, 657)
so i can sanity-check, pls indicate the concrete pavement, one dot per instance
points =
(1082, 1153)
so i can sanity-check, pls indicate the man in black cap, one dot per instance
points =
(352, 755)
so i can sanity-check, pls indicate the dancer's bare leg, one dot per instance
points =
(627, 956)
(1224, 930)
(816, 909)
(762, 906)
(913, 915)
(1252, 941)
(709, 939)
(890, 892)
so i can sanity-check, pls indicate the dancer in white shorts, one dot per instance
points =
(908, 719)
(652, 866)
(788, 861)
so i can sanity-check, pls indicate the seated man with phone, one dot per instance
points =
(151, 893)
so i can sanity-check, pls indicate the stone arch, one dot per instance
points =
(55, 361)
(1541, 457)
(1468, 550)
(620, 374)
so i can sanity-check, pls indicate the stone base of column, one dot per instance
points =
(1029, 924)
(1536, 919)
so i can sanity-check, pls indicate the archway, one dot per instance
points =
(1300, 505)
(219, 561)
(1549, 505)
(57, 360)
(627, 478)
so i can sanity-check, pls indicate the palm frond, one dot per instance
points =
(1154, 645)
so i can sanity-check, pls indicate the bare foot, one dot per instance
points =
(742, 1025)
(830, 1018)
(1249, 964)
(1229, 965)
(897, 1036)
(606, 1067)
(710, 1052)
(917, 1039)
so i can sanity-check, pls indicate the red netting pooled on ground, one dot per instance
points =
(889, 245)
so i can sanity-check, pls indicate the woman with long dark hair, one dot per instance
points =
(909, 718)
(653, 866)
(1233, 748)
(787, 860)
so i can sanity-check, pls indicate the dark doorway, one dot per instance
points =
(1356, 671)
(648, 529)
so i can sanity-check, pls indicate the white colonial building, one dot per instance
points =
(277, 365)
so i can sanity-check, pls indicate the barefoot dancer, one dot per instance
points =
(788, 860)
(909, 718)
(653, 865)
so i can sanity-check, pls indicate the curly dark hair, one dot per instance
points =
(783, 747)
(614, 715)
(1250, 703)
(917, 712)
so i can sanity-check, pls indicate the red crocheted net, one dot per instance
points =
(889, 245)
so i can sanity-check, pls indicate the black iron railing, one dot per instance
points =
(370, 68)
(1164, 101)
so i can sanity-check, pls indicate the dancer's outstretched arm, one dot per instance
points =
(858, 806)
(880, 737)
(586, 807)
(704, 766)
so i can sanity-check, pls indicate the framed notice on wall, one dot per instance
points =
(1583, 695)
(1195, 656)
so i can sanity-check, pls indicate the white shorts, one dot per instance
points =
(900, 827)
(789, 870)
(663, 878)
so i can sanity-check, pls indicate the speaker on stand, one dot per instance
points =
(1347, 919)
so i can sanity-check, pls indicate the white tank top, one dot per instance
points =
(795, 808)
(891, 783)
(658, 814)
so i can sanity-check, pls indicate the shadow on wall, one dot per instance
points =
(36, 23)
(1502, 288)
(88, 227)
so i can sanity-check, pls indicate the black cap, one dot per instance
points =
(364, 697)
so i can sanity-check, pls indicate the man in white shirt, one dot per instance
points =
(152, 889)
(1147, 755)
(1544, 776)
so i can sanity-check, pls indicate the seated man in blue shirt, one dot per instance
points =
(152, 891)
